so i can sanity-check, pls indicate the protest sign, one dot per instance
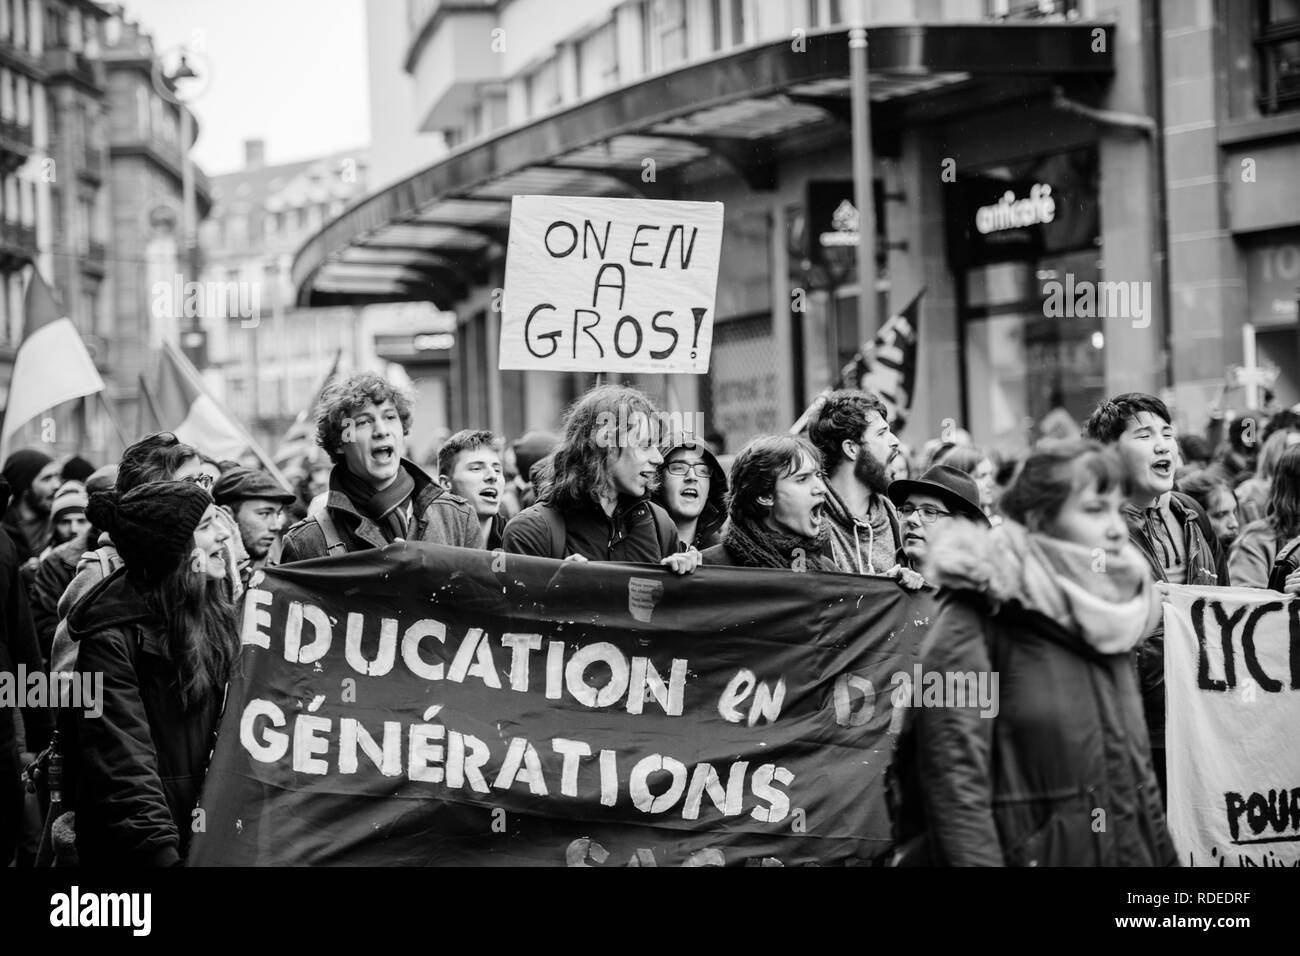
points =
(424, 705)
(1232, 679)
(610, 285)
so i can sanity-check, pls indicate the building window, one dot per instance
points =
(1033, 9)
(669, 23)
(543, 87)
(597, 62)
(1278, 46)
(737, 22)
(812, 13)
(715, 25)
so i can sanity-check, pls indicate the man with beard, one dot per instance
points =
(594, 503)
(469, 465)
(33, 477)
(851, 430)
(777, 508)
(256, 503)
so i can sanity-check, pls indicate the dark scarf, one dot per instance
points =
(384, 508)
(757, 546)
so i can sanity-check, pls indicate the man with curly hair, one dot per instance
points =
(593, 497)
(376, 495)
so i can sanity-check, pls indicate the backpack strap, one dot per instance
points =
(333, 542)
(664, 528)
(555, 524)
(1285, 562)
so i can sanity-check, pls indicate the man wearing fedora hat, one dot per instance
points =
(930, 504)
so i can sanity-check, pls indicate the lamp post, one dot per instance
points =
(860, 107)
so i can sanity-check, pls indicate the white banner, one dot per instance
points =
(610, 285)
(1232, 680)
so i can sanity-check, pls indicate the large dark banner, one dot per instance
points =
(426, 705)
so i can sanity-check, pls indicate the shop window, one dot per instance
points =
(1277, 44)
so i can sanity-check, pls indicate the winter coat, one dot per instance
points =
(638, 531)
(1205, 565)
(439, 517)
(135, 772)
(1253, 554)
(721, 556)
(53, 575)
(18, 646)
(1061, 775)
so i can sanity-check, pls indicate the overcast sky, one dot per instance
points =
(292, 72)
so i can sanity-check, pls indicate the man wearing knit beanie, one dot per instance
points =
(67, 513)
(77, 468)
(33, 476)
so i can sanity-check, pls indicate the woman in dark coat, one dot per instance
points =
(162, 632)
(1052, 603)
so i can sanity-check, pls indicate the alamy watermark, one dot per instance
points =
(62, 689)
(946, 689)
(1085, 299)
(633, 428)
(177, 299)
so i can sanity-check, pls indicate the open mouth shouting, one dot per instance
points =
(815, 516)
(1163, 469)
(384, 455)
(690, 493)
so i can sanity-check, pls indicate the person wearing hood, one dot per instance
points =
(1044, 611)
(376, 495)
(693, 490)
(851, 431)
(162, 633)
(776, 510)
(33, 478)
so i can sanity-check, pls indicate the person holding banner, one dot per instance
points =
(594, 501)
(376, 495)
(1046, 608)
(693, 490)
(161, 633)
(1168, 528)
(777, 508)
(851, 431)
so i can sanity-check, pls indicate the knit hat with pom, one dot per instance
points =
(152, 525)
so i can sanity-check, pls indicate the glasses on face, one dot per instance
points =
(928, 513)
(203, 481)
(682, 468)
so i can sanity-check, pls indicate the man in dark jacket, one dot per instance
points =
(693, 490)
(376, 496)
(33, 478)
(18, 647)
(1168, 528)
(777, 508)
(595, 502)
(57, 569)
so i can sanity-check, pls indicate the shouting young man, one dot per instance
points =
(1168, 528)
(693, 490)
(376, 496)
(469, 465)
(594, 501)
(777, 509)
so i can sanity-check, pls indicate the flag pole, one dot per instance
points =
(112, 417)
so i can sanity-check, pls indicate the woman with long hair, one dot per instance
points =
(162, 632)
(1252, 494)
(1044, 612)
(1256, 550)
(979, 465)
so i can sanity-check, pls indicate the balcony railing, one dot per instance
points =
(63, 62)
(17, 244)
(14, 132)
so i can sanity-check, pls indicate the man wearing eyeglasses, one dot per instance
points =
(929, 505)
(693, 490)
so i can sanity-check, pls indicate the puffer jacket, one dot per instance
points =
(135, 772)
(440, 517)
(1061, 775)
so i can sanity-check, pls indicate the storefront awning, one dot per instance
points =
(434, 235)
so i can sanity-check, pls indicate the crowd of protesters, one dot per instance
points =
(1045, 570)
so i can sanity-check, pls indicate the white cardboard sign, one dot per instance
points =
(610, 285)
